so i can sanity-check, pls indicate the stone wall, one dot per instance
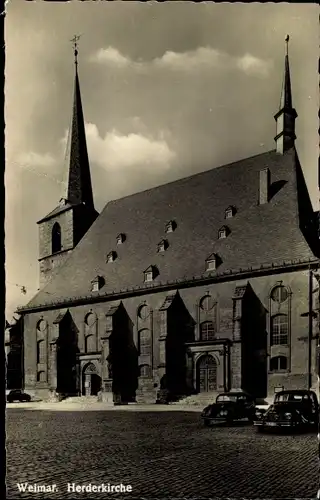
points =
(221, 292)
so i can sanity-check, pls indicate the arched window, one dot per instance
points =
(90, 344)
(207, 331)
(279, 329)
(41, 353)
(144, 342)
(145, 371)
(56, 238)
(278, 363)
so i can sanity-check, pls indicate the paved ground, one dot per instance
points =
(163, 454)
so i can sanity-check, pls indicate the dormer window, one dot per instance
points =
(171, 226)
(230, 212)
(163, 245)
(121, 238)
(97, 284)
(212, 262)
(223, 232)
(111, 257)
(150, 274)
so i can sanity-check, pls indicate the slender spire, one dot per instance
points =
(286, 115)
(79, 187)
(286, 95)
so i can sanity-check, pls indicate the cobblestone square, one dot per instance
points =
(160, 454)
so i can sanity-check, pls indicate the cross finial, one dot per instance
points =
(74, 41)
(287, 43)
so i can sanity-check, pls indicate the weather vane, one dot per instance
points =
(74, 41)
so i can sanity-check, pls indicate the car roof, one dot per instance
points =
(295, 391)
(234, 393)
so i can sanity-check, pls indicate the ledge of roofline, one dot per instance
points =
(61, 210)
(56, 253)
(58, 212)
(183, 283)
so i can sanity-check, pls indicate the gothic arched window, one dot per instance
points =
(207, 331)
(144, 342)
(56, 238)
(279, 329)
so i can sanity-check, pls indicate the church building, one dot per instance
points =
(201, 285)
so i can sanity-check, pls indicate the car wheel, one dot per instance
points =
(206, 423)
(260, 429)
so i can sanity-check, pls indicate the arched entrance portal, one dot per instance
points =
(207, 374)
(91, 382)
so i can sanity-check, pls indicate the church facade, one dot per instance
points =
(202, 285)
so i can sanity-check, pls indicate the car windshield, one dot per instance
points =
(291, 397)
(222, 398)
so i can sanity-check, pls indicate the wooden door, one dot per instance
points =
(207, 374)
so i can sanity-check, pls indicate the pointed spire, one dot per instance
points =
(286, 115)
(79, 188)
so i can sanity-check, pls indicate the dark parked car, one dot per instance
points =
(18, 395)
(290, 410)
(230, 407)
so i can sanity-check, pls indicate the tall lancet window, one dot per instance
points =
(56, 238)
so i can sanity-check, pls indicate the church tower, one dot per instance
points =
(62, 229)
(286, 116)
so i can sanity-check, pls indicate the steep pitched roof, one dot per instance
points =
(286, 95)
(260, 234)
(79, 182)
(79, 186)
(58, 210)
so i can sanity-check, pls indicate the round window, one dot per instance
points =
(143, 312)
(279, 294)
(90, 319)
(206, 303)
(42, 324)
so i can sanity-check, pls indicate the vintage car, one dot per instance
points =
(230, 407)
(18, 395)
(294, 409)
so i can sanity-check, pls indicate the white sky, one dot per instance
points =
(168, 89)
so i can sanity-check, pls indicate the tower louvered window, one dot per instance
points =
(56, 238)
